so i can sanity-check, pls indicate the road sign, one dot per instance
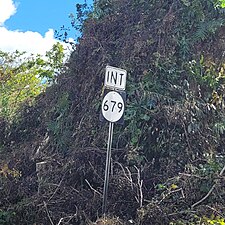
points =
(112, 110)
(115, 78)
(112, 106)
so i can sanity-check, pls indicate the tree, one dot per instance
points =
(23, 77)
(220, 3)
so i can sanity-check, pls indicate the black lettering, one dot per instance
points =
(113, 77)
(108, 77)
(105, 106)
(120, 106)
(121, 78)
(114, 103)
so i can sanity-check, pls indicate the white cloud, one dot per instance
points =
(29, 41)
(7, 9)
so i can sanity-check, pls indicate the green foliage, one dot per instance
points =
(200, 21)
(24, 77)
(208, 74)
(60, 126)
(205, 29)
(6, 217)
(54, 60)
(212, 166)
(102, 8)
(219, 127)
(6, 172)
(174, 118)
(220, 3)
(159, 86)
(82, 12)
(214, 220)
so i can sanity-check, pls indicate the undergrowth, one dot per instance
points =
(168, 157)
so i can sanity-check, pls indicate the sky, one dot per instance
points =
(29, 25)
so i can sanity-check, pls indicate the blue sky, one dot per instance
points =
(29, 24)
(42, 14)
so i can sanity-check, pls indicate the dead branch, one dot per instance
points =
(93, 188)
(57, 188)
(210, 191)
(49, 217)
(139, 184)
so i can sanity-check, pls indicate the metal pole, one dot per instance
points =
(107, 168)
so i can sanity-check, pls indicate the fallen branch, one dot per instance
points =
(69, 218)
(191, 175)
(92, 188)
(57, 188)
(210, 191)
(139, 185)
(181, 212)
(49, 217)
(216, 211)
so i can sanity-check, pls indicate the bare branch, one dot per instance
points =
(210, 191)
(49, 217)
(92, 188)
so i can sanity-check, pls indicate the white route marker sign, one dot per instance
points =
(112, 110)
(112, 106)
(115, 78)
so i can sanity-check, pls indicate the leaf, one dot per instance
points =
(5, 170)
(160, 187)
(173, 186)
(22, 77)
(189, 128)
(146, 117)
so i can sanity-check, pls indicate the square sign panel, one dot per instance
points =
(115, 78)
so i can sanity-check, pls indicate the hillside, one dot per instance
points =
(168, 157)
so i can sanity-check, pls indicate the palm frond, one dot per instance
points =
(206, 28)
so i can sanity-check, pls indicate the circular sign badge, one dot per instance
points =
(112, 106)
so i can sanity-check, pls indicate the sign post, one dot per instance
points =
(112, 110)
(107, 168)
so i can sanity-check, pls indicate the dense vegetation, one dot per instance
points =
(168, 158)
(23, 77)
